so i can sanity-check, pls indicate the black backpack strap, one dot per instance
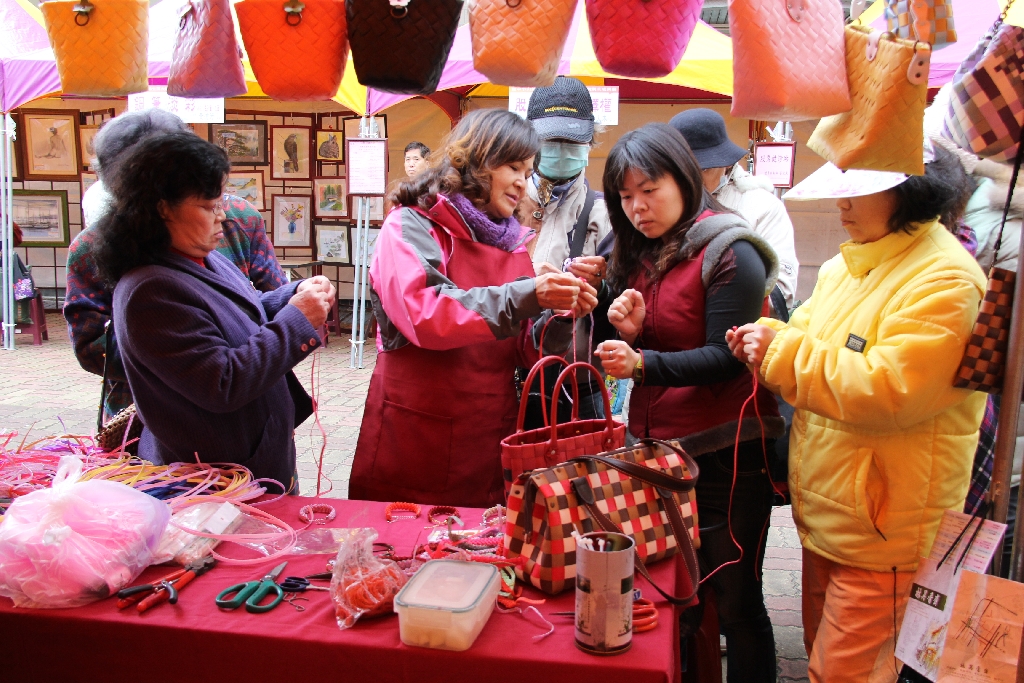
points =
(579, 231)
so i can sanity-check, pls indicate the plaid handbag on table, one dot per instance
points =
(645, 492)
(529, 450)
(984, 362)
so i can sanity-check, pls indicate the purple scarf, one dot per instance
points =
(504, 235)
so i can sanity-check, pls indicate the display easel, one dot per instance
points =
(7, 137)
(375, 187)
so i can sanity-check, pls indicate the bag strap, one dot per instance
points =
(586, 495)
(570, 373)
(579, 231)
(108, 330)
(1009, 198)
(534, 371)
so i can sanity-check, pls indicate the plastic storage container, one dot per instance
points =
(446, 604)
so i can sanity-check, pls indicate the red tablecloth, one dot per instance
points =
(195, 641)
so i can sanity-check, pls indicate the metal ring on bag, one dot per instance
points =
(79, 15)
(293, 8)
(297, 16)
(399, 12)
(512, 4)
(82, 9)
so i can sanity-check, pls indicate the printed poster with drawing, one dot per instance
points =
(984, 637)
(961, 548)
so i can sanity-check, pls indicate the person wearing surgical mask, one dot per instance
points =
(570, 218)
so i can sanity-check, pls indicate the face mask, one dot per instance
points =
(562, 160)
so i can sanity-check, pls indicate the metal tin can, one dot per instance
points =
(604, 593)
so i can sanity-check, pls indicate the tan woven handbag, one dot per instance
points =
(520, 42)
(788, 59)
(884, 131)
(645, 492)
(101, 48)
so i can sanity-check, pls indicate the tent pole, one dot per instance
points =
(1009, 412)
(7, 134)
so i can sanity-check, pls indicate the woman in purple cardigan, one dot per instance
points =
(209, 359)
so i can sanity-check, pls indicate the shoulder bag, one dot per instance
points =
(788, 59)
(401, 46)
(930, 21)
(101, 48)
(884, 131)
(520, 42)
(641, 38)
(645, 492)
(986, 103)
(297, 49)
(207, 61)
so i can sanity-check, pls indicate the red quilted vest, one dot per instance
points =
(675, 322)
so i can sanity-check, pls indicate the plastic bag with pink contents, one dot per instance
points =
(77, 542)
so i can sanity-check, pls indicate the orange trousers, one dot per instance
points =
(850, 620)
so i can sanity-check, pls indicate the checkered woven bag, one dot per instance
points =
(930, 21)
(546, 446)
(984, 360)
(986, 103)
(646, 492)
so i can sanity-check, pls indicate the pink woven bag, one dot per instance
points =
(207, 61)
(789, 59)
(641, 38)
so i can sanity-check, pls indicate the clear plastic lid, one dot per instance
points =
(449, 585)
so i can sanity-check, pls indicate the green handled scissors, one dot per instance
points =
(253, 592)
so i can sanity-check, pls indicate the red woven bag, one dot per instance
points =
(541, 448)
(641, 38)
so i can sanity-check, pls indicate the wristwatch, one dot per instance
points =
(638, 370)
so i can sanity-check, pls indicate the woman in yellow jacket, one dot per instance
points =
(881, 442)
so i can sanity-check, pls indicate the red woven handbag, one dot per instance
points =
(540, 448)
(618, 29)
(207, 61)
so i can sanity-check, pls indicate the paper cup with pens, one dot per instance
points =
(604, 592)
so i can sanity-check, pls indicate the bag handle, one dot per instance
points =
(570, 372)
(1009, 198)
(579, 230)
(683, 541)
(537, 367)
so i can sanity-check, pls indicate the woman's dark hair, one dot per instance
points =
(942, 192)
(419, 146)
(653, 151)
(167, 166)
(483, 140)
(119, 134)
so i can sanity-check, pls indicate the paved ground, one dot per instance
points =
(44, 389)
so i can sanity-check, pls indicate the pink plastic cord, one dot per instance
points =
(533, 614)
(237, 538)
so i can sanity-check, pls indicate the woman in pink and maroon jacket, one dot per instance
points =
(459, 308)
(688, 271)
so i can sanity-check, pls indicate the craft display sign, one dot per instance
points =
(188, 109)
(605, 97)
(775, 161)
(367, 160)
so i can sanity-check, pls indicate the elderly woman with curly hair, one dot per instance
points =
(209, 359)
(458, 307)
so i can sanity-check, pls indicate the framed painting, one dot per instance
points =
(292, 218)
(330, 146)
(331, 197)
(371, 243)
(42, 216)
(88, 180)
(350, 126)
(289, 155)
(332, 243)
(85, 138)
(376, 208)
(244, 141)
(248, 185)
(50, 144)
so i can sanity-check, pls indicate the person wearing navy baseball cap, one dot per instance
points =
(569, 217)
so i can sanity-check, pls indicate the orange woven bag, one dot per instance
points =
(101, 48)
(520, 42)
(297, 49)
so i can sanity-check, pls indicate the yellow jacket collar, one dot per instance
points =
(863, 258)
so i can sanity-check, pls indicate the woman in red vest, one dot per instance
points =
(688, 271)
(459, 307)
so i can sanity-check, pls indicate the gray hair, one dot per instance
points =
(123, 132)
